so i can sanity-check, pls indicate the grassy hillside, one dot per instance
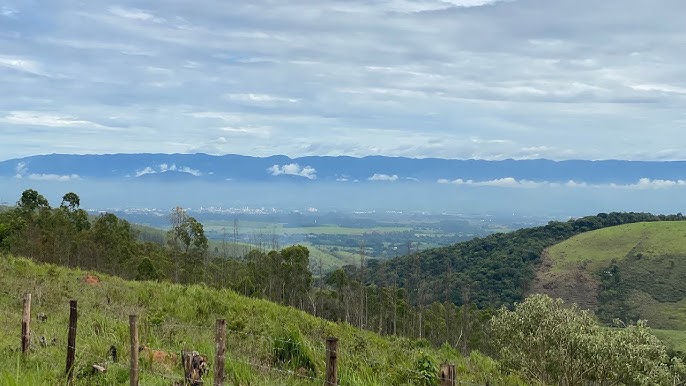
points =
(597, 248)
(174, 317)
(632, 271)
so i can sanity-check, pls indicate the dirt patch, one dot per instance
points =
(91, 279)
(575, 285)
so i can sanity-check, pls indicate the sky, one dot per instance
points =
(486, 79)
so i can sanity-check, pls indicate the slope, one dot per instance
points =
(630, 272)
(174, 317)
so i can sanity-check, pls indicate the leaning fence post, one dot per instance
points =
(26, 324)
(331, 365)
(71, 340)
(133, 332)
(220, 350)
(447, 375)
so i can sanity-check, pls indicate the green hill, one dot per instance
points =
(630, 272)
(174, 317)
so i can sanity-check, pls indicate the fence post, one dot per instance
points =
(220, 350)
(331, 358)
(133, 332)
(71, 340)
(447, 375)
(26, 324)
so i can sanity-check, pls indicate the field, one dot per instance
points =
(596, 249)
(172, 317)
(633, 271)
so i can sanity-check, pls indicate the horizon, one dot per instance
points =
(349, 156)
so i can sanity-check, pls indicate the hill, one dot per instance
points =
(175, 317)
(630, 272)
(174, 167)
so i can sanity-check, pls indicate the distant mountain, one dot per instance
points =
(173, 167)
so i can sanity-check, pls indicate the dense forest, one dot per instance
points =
(443, 295)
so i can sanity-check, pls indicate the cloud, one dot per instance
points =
(135, 14)
(22, 171)
(506, 182)
(22, 64)
(163, 167)
(259, 98)
(534, 79)
(8, 12)
(54, 177)
(383, 177)
(510, 182)
(294, 170)
(647, 183)
(37, 118)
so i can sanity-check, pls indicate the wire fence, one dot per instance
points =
(259, 354)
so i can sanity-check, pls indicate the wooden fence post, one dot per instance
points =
(26, 324)
(447, 375)
(133, 332)
(71, 340)
(220, 350)
(331, 358)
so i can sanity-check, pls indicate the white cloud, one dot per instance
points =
(575, 184)
(161, 168)
(135, 14)
(54, 177)
(259, 98)
(383, 177)
(38, 118)
(8, 12)
(22, 171)
(529, 82)
(294, 170)
(147, 170)
(506, 182)
(509, 182)
(22, 64)
(647, 183)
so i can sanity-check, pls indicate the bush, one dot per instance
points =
(550, 343)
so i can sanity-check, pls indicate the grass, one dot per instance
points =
(173, 317)
(675, 338)
(596, 249)
(651, 265)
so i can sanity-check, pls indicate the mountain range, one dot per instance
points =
(197, 167)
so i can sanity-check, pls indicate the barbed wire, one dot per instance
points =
(282, 371)
(349, 355)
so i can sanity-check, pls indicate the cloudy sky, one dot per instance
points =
(563, 79)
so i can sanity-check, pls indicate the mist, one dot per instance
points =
(363, 196)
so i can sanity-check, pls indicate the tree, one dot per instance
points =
(296, 273)
(550, 343)
(189, 245)
(31, 201)
(70, 201)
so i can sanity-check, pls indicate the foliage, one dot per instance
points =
(491, 271)
(639, 269)
(173, 317)
(550, 343)
(291, 351)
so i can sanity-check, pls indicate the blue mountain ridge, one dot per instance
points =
(183, 167)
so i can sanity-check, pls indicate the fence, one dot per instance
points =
(195, 365)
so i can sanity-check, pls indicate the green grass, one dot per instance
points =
(173, 317)
(676, 339)
(650, 263)
(596, 249)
